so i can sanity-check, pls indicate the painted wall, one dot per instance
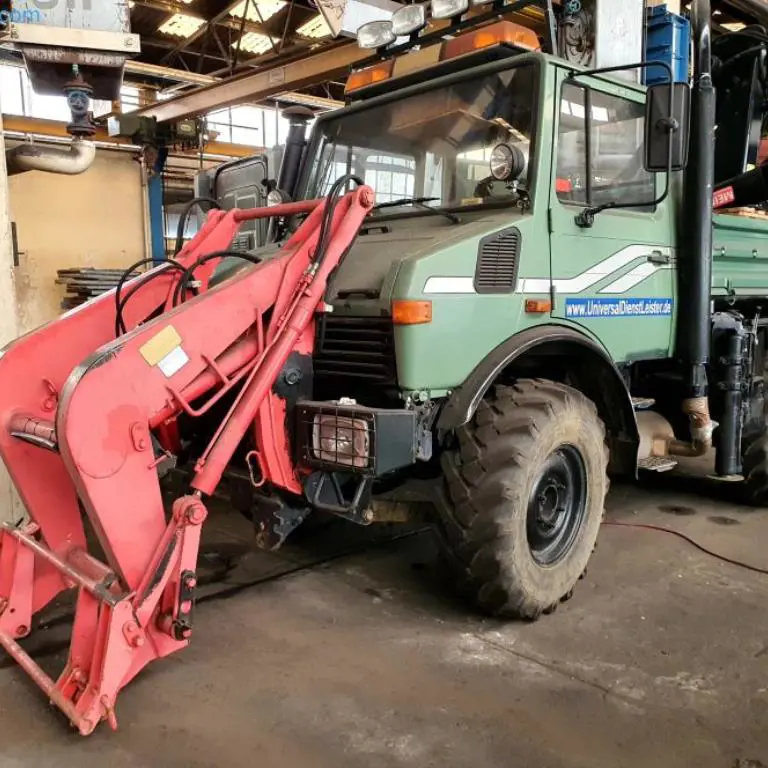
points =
(10, 504)
(95, 219)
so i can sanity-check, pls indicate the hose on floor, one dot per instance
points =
(692, 542)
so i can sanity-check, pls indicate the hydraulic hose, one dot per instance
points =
(183, 219)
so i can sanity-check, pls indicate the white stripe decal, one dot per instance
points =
(590, 277)
(635, 277)
(577, 284)
(450, 285)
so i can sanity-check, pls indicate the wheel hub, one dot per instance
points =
(550, 504)
(557, 505)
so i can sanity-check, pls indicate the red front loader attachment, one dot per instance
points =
(80, 416)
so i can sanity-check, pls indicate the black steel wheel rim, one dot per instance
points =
(557, 505)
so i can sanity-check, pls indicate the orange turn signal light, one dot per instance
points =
(406, 312)
(368, 76)
(494, 34)
(538, 306)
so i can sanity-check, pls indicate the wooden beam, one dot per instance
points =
(252, 87)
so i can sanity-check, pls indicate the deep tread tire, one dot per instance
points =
(755, 469)
(487, 481)
(754, 462)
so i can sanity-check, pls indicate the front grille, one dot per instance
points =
(356, 348)
(497, 262)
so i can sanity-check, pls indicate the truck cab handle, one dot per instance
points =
(657, 257)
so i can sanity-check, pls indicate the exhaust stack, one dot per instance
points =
(695, 271)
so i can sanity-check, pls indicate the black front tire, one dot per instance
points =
(522, 498)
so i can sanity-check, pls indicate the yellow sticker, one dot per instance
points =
(160, 345)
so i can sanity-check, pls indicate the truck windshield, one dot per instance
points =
(435, 144)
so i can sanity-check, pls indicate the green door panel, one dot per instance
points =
(616, 279)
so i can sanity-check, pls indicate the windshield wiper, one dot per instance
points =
(420, 202)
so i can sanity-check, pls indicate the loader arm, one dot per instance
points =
(79, 409)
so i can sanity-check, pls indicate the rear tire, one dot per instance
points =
(755, 469)
(523, 496)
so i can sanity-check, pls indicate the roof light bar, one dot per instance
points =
(465, 33)
(368, 76)
(502, 32)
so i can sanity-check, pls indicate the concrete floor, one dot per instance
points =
(661, 660)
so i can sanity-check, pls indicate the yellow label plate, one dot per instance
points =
(160, 345)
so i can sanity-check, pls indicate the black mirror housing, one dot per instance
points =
(665, 130)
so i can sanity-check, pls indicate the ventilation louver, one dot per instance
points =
(497, 262)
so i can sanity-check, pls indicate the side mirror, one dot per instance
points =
(667, 124)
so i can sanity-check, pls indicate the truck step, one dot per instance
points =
(657, 464)
(643, 403)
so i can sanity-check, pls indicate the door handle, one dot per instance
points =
(657, 257)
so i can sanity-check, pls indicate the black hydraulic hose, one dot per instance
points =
(695, 270)
(180, 292)
(334, 196)
(121, 301)
(184, 217)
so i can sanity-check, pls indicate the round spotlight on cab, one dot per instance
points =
(449, 9)
(409, 20)
(375, 34)
(277, 197)
(508, 162)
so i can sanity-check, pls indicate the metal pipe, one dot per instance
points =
(295, 145)
(695, 268)
(93, 586)
(32, 157)
(45, 683)
(702, 427)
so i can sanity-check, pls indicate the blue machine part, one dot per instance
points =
(668, 39)
(156, 217)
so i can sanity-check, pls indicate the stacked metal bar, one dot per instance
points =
(84, 283)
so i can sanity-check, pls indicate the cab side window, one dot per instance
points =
(600, 148)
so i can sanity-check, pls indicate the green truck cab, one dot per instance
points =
(536, 295)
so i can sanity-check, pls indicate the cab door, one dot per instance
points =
(616, 278)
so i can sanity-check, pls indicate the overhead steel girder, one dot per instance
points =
(260, 85)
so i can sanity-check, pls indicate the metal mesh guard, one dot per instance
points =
(334, 436)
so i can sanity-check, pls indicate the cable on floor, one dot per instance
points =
(692, 542)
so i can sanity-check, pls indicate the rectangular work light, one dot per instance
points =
(376, 34)
(337, 436)
(449, 9)
(409, 19)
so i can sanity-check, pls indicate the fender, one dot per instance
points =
(595, 374)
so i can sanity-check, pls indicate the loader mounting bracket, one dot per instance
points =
(342, 494)
(275, 520)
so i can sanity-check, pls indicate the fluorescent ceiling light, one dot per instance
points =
(735, 26)
(181, 25)
(253, 42)
(315, 28)
(257, 10)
